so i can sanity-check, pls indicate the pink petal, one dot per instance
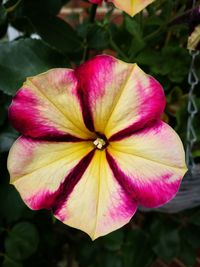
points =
(44, 172)
(47, 107)
(118, 98)
(98, 204)
(149, 164)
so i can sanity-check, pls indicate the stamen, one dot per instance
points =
(99, 143)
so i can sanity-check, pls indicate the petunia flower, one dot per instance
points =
(131, 7)
(93, 146)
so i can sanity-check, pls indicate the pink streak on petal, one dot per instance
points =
(96, 1)
(55, 200)
(42, 200)
(157, 193)
(93, 77)
(125, 210)
(150, 110)
(152, 193)
(26, 118)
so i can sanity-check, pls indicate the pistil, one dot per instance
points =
(99, 143)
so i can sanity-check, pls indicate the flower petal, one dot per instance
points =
(98, 204)
(38, 169)
(150, 164)
(47, 107)
(132, 7)
(95, 1)
(120, 97)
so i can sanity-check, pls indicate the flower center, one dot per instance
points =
(99, 143)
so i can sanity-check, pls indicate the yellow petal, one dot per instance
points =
(98, 204)
(151, 162)
(38, 168)
(47, 106)
(132, 7)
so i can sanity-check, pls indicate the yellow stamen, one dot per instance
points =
(99, 143)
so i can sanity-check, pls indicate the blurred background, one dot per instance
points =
(38, 35)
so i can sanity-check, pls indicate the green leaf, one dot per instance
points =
(187, 254)
(33, 7)
(57, 33)
(3, 14)
(3, 21)
(196, 154)
(195, 218)
(114, 240)
(7, 138)
(111, 260)
(12, 207)
(23, 58)
(132, 255)
(168, 245)
(10, 262)
(22, 241)
(98, 37)
(133, 28)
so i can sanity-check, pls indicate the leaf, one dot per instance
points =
(3, 14)
(132, 256)
(114, 240)
(11, 263)
(22, 241)
(33, 7)
(196, 154)
(168, 245)
(187, 254)
(111, 260)
(195, 218)
(98, 37)
(12, 207)
(23, 58)
(133, 28)
(57, 33)
(7, 138)
(3, 21)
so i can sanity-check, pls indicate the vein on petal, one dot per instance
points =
(148, 159)
(17, 178)
(119, 96)
(57, 108)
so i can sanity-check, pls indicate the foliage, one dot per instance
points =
(30, 238)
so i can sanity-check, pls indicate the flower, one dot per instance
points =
(132, 7)
(93, 146)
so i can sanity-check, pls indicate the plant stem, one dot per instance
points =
(92, 16)
(93, 12)
(117, 49)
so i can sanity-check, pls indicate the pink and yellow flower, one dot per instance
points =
(132, 7)
(93, 146)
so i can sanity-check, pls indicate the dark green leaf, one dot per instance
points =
(114, 240)
(11, 201)
(195, 218)
(132, 256)
(187, 254)
(8, 262)
(37, 7)
(168, 245)
(22, 241)
(3, 14)
(57, 33)
(7, 138)
(191, 234)
(111, 260)
(98, 37)
(3, 21)
(23, 58)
